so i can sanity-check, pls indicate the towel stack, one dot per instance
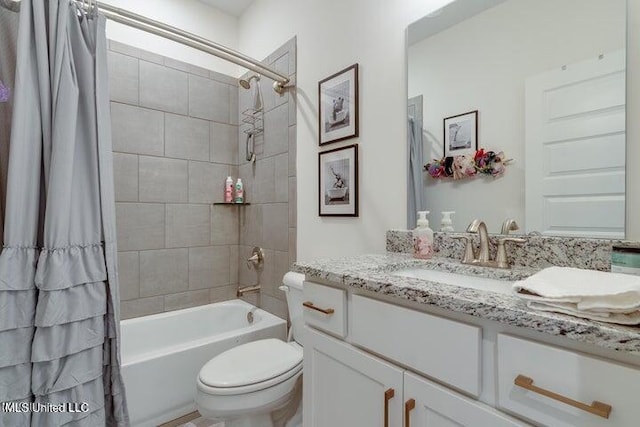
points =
(597, 295)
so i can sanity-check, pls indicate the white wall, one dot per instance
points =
(331, 35)
(633, 124)
(188, 15)
(482, 64)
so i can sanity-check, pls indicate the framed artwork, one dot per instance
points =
(461, 134)
(338, 104)
(338, 182)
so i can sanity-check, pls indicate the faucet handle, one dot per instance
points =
(501, 255)
(508, 225)
(469, 253)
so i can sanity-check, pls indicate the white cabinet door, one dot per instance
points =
(437, 406)
(344, 386)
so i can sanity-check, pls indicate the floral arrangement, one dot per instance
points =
(458, 167)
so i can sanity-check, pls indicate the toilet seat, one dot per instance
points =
(250, 367)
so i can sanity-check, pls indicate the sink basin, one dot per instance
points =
(463, 280)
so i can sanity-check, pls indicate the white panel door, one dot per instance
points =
(344, 386)
(437, 406)
(575, 149)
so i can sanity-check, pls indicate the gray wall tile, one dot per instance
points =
(135, 52)
(163, 180)
(234, 255)
(163, 271)
(275, 234)
(282, 178)
(234, 114)
(223, 78)
(275, 306)
(123, 78)
(163, 88)
(209, 267)
(139, 226)
(129, 275)
(183, 66)
(141, 307)
(206, 182)
(186, 138)
(276, 131)
(293, 149)
(137, 130)
(188, 299)
(251, 225)
(187, 225)
(224, 143)
(125, 174)
(293, 245)
(225, 225)
(264, 183)
(223, 293)
(293, 205)
(208, 99)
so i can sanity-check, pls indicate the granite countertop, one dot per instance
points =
(373, 273)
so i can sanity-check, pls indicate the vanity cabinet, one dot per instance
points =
(380, 364)
(345, 386)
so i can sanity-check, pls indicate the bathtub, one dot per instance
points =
(163, 353)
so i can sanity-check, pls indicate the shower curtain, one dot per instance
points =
(59, 311)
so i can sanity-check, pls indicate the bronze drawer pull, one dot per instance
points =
(327, 311)
(597, 408)
(388, 395)
(409, 405)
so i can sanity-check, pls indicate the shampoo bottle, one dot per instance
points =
(228, 190)
(239, 192)
(423, 237)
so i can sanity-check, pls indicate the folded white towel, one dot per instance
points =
(596, 295)
(587, 290)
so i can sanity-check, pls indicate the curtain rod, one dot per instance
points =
(140, 22)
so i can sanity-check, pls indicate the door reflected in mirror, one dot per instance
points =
(547, 78)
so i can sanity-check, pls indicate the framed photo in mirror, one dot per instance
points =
(461, 134)
(338, 182)
(338, 104)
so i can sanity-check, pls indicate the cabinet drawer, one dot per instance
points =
(440, 348)
(325, 308)
(572, 378)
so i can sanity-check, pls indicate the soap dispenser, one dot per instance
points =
(446, 224)
(422, 237)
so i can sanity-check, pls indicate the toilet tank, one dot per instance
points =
(293, 288)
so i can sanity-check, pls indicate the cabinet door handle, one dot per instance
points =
(327, 311)
(409, 405)
(597, 408)
(388, 395)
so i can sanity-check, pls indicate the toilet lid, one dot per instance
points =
(250, 363)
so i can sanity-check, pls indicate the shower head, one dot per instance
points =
(257, 100)
(247, 83)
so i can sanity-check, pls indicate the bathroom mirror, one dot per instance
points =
(547, 79)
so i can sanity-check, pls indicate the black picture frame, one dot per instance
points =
(338, 182)
(338, 106)
(460, 134)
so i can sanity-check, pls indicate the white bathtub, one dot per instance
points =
(163, 353)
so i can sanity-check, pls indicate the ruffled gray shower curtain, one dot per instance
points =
(59, 311)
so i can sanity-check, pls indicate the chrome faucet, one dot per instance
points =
(480, 227)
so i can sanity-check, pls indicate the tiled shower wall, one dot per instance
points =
(270, 182)
(175, 140)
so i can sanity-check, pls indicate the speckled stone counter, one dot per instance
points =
(374, 273)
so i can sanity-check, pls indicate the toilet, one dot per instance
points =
(247, 385)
